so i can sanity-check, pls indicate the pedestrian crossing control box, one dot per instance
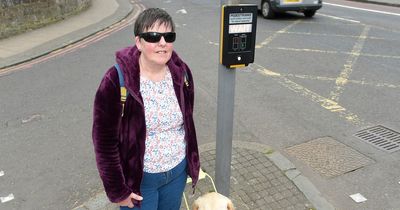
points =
(238, 35)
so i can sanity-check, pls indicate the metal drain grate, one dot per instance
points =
(384, 138)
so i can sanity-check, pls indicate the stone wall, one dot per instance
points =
(17, 16)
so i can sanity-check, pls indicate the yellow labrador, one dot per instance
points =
(213, 201)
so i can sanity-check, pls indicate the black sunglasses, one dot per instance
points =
(154, 37)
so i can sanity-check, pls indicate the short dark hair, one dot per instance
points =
(149, 17)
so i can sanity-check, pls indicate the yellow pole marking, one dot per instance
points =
(327, 104)
(221, 34)
(341, 81)
(237, 66)
(270, 38)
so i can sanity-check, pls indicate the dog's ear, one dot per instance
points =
(195, 206)
(230, 206)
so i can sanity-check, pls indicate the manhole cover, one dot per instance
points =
(381, 137)
(329, 157)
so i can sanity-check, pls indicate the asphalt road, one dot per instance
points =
(329, 76)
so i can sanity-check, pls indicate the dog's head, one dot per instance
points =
(213, 201)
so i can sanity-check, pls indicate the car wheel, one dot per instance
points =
(309, 13)
(266, 10)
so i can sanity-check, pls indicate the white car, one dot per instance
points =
(269, 8)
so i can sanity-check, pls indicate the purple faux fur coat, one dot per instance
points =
(119, 142)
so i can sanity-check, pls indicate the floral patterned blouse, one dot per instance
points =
(165, 143)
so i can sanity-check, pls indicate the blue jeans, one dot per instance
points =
(162, 191)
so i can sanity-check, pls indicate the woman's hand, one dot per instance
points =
(129, 200)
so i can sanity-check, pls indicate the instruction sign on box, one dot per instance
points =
(238, 35)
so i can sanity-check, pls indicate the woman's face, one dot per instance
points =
(157, 53)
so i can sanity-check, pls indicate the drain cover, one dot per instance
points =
(329, 157)
(381, 137)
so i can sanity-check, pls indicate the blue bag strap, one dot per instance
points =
(120, 75)
(124, 92)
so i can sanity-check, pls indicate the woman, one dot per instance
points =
(146, 147)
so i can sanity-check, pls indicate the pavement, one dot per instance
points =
(261, 178)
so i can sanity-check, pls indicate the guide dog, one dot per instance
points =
(213, 201)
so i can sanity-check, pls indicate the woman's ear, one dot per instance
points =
(138, 43)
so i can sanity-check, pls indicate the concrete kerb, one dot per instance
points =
(125, 8)
(302, 182)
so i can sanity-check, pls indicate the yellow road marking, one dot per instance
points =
(305, 50)
(391, 30)
(333, 23)
(359, 82)
(380, 56)
(327, 104)
(337, 35)
(341, 81)
(270, 38)
(333, 52)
